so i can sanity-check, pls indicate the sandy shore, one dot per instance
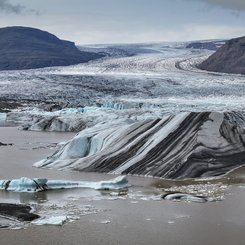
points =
(132, 219)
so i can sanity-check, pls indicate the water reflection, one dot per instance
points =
(23, 197)
(54, 195)
(33, 198)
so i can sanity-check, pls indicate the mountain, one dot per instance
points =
(230, 58)
(28, 48)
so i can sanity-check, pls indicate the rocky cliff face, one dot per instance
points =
(28, 48)
(230, 58)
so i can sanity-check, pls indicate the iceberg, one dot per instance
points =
(185, 145)
(185, 197)
(25, 184)
(55, 220)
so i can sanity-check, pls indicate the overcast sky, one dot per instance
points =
(120, 21)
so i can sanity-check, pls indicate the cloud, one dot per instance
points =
(229, 4)
(211, 31)
(7, 7)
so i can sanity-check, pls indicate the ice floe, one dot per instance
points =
(25, 184)
(54, 220)
(184, 197)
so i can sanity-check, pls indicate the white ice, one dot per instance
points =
(54, 220)
(162, 74)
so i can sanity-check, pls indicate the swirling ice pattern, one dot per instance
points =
(186, 145)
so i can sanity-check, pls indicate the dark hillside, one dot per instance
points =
(28, 48)
(230, 58)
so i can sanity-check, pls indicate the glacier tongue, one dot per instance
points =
(25, 184)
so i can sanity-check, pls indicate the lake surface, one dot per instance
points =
(139, 217)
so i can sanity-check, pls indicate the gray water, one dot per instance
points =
(136, 218)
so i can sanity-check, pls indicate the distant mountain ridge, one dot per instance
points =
(29, 48)
(202, 45)
(230, 58)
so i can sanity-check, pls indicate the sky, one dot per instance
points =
(128, 21)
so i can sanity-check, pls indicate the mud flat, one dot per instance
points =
(138, 217)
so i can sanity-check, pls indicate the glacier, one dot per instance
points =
(155, 79)
(167, 75)
(144, 109)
